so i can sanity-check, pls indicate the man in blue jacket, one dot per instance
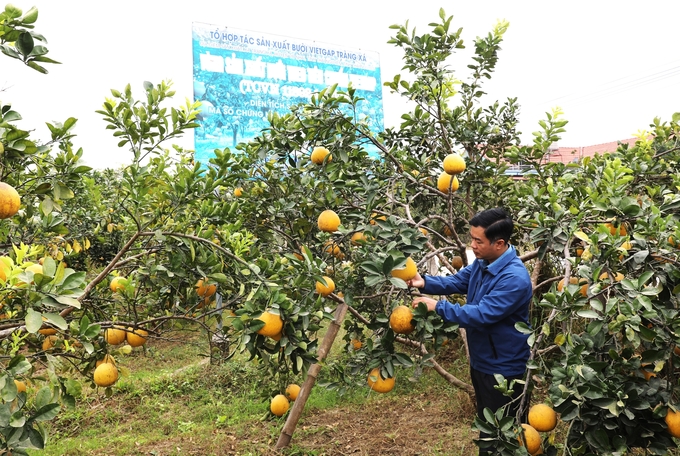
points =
(498, 289)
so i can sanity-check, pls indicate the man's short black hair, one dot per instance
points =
(496, 222)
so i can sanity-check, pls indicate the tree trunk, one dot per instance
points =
(305, 391)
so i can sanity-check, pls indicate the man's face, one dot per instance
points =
(482, 248)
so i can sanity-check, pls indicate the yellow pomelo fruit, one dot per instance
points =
(445, 180)
(356, 344)
(4, 269)
(332, 248)
(542, 417)
(447, 231)
(279, 405)
(358, 238)
(117, 284)
(532, 438)
(379, 384)
(647, 374)
(406, 273)
(9, 201)
(238, 191)
(114, 336)
(292, 391)
(560, 284)
(401, 320)
(35, 268)
(273, 324)
(136, 337)
(105, 374)
(328, 221)
(619, 276)
(375, 216)
(454, 164)
(49, 342)
(205, 289)
(319, 155)
(106, 359)
(673, 423)
(616, 230)
(325, 290)
(21, 386)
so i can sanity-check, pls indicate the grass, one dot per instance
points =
(174, 402)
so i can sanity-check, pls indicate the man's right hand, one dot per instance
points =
(417, 282)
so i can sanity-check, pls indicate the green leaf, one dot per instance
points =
(644, 277)
(20, 367)
(49, 266)
(373, 280)
(582, 236)
(57, 320)
(523, 328)
(73, 387)
(46, 206)
(18, 419)
(31, 16)
(33, 321)
(397, 282)
(73, 281)
(219, 277)
(68, 301)
(36, 67)
(12, 11)
(43, 396)
(36, 439)
(403, 359)
(599, 440)
(46, 412)
(238, 325)
(92, 331)
(588, 314)
(25, 43)
(89, 348)
(388, 265)
(371, 267)
(5, 414)
(489, 416)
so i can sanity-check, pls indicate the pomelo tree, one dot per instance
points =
(590, 349)
(35, 286)
(247, 224)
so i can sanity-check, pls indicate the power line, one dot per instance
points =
(617, 90)
(602, 90)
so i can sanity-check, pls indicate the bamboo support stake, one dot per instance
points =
(305, 391)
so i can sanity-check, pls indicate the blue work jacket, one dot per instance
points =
(498, 296)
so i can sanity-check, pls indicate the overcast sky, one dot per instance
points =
(611, 65)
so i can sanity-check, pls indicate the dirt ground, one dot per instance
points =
(425, 424)
(421, 425)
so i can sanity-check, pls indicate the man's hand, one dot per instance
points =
(417, 282)
(431, 303)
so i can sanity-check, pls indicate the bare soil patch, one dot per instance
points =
(425, 424)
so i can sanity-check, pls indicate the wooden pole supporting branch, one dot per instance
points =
(312, 373)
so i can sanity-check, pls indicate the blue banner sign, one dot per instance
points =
(240, 76)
